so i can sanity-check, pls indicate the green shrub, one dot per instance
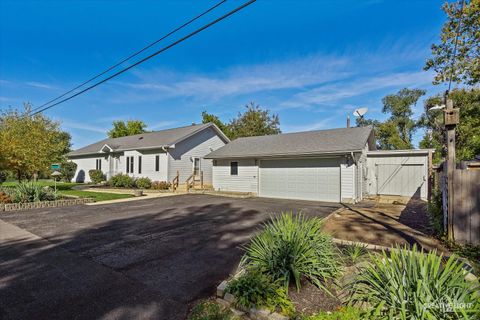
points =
(3, 176)
(415, 285)
(344, 313)
(435, 212)
(96, 176)
(254, 289)
(161, 185)
(31, 192)
(121, 181)
(143, 183)
(68, 170)
(291, 247)
(210, 310)
(354, 253)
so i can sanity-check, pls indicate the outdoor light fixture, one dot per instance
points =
(437, 107)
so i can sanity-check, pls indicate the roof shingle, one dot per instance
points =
(156, 139)
(299, 143)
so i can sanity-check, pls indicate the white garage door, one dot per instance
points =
(304, 179)
(401, 179)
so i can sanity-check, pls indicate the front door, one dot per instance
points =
(196, 166)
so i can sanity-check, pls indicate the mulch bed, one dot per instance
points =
(310, 299)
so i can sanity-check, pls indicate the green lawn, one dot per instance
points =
(45, 183)
(98, 196)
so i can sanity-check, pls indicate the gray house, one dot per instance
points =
(324, 165)
(157, 155)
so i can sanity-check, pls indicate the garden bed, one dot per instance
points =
(291, 270)
(44, 204)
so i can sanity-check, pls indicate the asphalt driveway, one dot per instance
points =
(148, 259)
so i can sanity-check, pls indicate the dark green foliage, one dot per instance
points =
(143, 183)
(291, 247)
(210, 310)
(396, 132)
(31, 192)
(467, 144)
(67, 170)
(410, 284)
(96, 176)
(255, 121)
(161, 185)
(3, 176)
(354, 253)
(121, 181)
(254, 289)
(435, 212)
(466, 66)
(122, 129)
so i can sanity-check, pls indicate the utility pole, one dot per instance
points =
(451, 117)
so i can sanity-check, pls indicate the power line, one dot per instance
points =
(455, 45)
(152, 55)
(134, 54)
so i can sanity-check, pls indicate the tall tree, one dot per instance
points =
(255, 122)
(225, 127)
(130, 128)
(466, 67)
(30, 144)
(399, 128)
(468, 130)
(396, 132)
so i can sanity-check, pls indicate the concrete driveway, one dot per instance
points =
(148, 259)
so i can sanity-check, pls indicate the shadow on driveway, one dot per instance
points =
(145, 259)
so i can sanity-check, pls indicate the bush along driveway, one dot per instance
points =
(142, 259)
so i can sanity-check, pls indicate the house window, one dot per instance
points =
(234, 168)
(98, 164)
(129, 164)
(157, 163)
(139, 164)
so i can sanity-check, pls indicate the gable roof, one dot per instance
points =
(332, 141)
(149, 140)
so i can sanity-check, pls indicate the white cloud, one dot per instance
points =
(318, 125)
(70, 124)
(161, 125)
(40, 85)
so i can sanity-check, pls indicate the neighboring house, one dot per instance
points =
(157, 155)
(324, 165)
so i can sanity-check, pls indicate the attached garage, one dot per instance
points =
(316, 179)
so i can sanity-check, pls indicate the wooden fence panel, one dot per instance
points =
(466, 206)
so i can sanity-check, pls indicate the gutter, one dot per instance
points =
(295, 155)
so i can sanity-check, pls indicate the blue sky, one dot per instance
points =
(312, 62)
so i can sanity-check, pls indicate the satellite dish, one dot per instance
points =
(360, 112)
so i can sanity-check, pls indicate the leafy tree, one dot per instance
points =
(225, 127)
(255, 122)
(396, 132)
(67, 170)
(130, 128)
(468, 130)
(466, 67)
(30, 144)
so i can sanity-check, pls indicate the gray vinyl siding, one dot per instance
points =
(85, 164)
(198, 145)
(148, 164)
(399, 167)
(245, 181)
(347, 174)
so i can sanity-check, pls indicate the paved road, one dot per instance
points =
(146, 259)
